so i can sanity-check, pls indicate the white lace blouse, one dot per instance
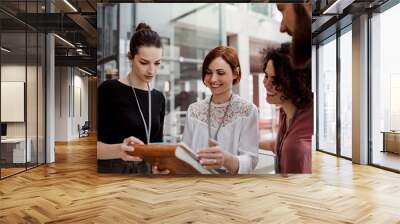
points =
(238, 135)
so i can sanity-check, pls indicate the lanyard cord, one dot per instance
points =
(141, 113)
(223, 119)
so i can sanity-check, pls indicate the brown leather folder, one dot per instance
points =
(177, 158)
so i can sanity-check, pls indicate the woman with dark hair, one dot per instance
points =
(129, 111)
(291, 90)
(223, 128)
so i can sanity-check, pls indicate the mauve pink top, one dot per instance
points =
(293, 146)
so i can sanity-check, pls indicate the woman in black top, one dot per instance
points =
(123, 108)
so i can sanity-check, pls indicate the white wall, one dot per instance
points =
(61, 104)
(242, 44)
(80, 84)
(69, 85)
(17, 73)
(14, 73)
(33, 126)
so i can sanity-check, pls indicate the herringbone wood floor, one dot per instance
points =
(70, 191)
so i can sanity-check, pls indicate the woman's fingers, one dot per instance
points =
(210, 150)
(164, 172)
(157, 171)
(212, 153)
(126, 148)
(212, 142)
(212, 167)
(132, 140)
(127, 144)
(209, 155)
(207, 162)
(127, 157)
(212, 161)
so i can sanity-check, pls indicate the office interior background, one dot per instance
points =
(49, 76)
(48, 72)
(357, 81)
(48, 79)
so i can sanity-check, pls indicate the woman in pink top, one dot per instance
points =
(291, 90)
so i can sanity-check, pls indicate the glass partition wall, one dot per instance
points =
(334, 100)
(196, 29)
(22, 77)
(385, 90)
(345, 62)
(327, 96)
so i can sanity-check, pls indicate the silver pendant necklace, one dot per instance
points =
(147, 130)
(223, 118)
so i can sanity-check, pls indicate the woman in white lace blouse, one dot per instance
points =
(223, 128)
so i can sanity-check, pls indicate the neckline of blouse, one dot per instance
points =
(221, 104)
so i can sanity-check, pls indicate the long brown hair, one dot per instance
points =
(301, 42)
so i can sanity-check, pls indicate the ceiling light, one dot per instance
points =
(86, 72)
(70, 5)
(337, 7)
(5, 49)
(65, 41)
(329, 9)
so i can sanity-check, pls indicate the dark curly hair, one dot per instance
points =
(295, 84)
